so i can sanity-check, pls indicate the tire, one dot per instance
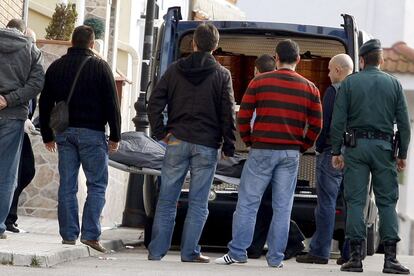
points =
(373, 239)
(150, 195)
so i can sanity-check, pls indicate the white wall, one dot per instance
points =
(384, 19)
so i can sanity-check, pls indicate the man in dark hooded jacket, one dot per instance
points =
(199, 95)
(21, 79)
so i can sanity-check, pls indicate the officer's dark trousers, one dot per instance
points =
(375, 156)
(26, 175)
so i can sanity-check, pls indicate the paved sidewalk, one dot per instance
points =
(40, 244)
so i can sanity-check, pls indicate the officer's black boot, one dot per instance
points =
(355, 263)
(391, 265)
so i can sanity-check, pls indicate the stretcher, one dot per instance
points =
(155, 172)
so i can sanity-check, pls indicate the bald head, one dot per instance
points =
(340, 66)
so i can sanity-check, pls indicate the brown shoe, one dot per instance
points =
(200, 259)
(69, 242)
(95, 245)
(3, 236)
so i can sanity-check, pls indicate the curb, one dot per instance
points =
(56, 256)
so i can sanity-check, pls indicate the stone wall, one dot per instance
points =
(39, 199)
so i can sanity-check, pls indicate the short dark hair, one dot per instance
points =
(17, 24)
(206, 37)
(373, 58)
(265, 63)
(288, 51)
(82, 36)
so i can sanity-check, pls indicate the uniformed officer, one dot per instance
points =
(367, 105)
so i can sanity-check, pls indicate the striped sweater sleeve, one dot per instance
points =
(314, 114)
(246, 111)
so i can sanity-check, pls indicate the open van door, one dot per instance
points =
(351, 30)
(164, 52)
(162, 57)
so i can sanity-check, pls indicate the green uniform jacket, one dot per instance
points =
(370, 100)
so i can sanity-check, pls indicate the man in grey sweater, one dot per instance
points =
(21, 79)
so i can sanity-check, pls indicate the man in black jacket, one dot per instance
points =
(199, 95)
(92, 106)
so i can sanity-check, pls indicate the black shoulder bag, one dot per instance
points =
(59, 116)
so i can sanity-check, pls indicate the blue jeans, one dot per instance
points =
(11, 137)
(279, 168)
(88, 147)
(328, 183)
(179, 157)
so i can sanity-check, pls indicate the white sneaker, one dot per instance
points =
(227, 260)
(277, 266)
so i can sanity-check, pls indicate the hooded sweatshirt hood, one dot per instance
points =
(21, 73)
(12, 40)
(197, 67)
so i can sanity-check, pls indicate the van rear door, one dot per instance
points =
(352, 33)
(173, 29)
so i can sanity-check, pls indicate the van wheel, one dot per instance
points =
(373, 238)
(150, 195)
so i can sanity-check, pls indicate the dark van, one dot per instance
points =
(241, 42)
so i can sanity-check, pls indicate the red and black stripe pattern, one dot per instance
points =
(288, 111)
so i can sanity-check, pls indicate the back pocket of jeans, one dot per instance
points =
(262, 160)
(206, 156)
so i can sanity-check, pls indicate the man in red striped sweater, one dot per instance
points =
(288, 121)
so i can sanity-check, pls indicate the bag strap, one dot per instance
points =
(72, 89)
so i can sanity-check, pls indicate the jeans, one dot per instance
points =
(279, 168)
(327, 187)
(26, 175)
(86, 147)
(11, 136)
(264, 218)
(179, 157)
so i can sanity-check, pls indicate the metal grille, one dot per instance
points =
(307, 169)
(10, 9)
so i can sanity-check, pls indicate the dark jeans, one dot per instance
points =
(328, 184)
(25, 176)
(86, 147)
(11, 136)
(179, 157)
(264, 218)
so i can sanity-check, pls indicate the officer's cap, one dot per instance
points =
(370, 45)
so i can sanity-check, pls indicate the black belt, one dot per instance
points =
(374, 135)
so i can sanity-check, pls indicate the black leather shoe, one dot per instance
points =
(69, 242)
(294, 250)
(310, 259)
(340, 261)
(12, 228)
